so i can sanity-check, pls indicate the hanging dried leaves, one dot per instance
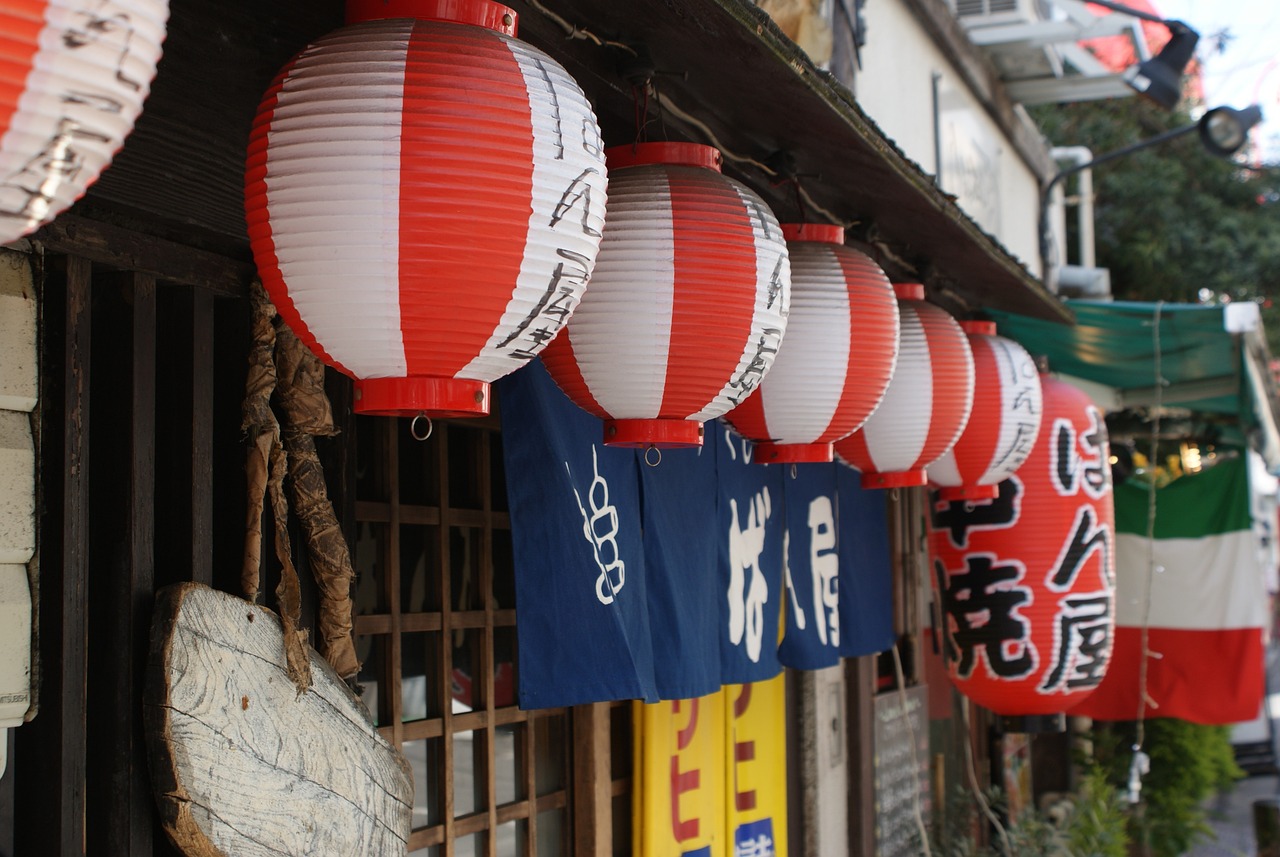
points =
(307, 413)
(282, 370)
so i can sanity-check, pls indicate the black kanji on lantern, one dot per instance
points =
(1083, 643)
(1086, 536)
(982, 605)
(1090, 470)
(958, 517)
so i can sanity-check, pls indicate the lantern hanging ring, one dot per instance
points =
(657, 456)
(416, 430)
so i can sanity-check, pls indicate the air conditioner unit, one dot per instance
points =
(984, 13)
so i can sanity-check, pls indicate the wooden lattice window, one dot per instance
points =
(436, 633)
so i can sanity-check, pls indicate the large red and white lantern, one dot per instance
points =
(928, 401)
(1026, 581)
(688, 303)
(842, 341)
(1004, 422)
(72, 82)
(425, 197)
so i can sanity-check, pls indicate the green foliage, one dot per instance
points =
(1090, 823)
(1173, 219)
(1189, 762)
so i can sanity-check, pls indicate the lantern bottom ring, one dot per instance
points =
(957, 493)
(421, 396)
(1056, 722)
(899, 479)
(659, 433)
(793, 453)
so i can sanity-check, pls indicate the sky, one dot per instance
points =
(1247, 70)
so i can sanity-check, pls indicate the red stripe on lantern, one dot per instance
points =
(706, 337)
(460, 243)
(890, 449)
(952, 363)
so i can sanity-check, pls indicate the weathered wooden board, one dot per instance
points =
(242, 764)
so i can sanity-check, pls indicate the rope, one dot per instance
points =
(1141, 763)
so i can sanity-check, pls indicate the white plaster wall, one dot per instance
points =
(895, 88)
(18, 389)
(825, 768)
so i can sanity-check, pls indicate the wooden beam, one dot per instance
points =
(52, 749)
(860, 682)
(131, 831)
(117, 247)
(592, 807)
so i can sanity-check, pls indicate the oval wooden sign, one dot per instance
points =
(242, 764)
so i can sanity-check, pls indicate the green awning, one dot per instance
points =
(1211, 359)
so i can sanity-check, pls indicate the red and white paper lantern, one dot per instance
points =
(425, 197)
(688, 302)
(842, 343)
(1026, 581)
(1007, 406)
(72, 82)
(928, 401)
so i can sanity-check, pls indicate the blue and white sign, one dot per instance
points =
(582, 615)
(749, 568)
(811, 574)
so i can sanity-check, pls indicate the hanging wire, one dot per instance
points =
(664, 103)
(911, 739)
(574, 32)
(1141, 762)
(972, 770)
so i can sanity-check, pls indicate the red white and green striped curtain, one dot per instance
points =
(1207, 603)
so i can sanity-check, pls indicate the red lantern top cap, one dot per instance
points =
(973, 325)
(909, 291)
(681, 154)
(818, 233)
(479, 13)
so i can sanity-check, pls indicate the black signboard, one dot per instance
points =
(901, 770)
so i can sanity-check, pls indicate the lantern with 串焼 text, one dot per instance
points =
(425, 197)
(72, 83)
(1026, 581)
(688, 303)
(839, 356)
(1003, 424)
(928, 401)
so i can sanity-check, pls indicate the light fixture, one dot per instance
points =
(1225, 130)
(1160, 77)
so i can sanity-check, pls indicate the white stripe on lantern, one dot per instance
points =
(895, 443)
(800, 403)
(320, 256)
(559, 117)
(69, 100)
(636, 243)
(772, 304)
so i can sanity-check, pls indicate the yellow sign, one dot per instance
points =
(711, 775)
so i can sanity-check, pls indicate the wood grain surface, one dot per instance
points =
(244, 765)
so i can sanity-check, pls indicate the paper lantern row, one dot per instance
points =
(428, 238)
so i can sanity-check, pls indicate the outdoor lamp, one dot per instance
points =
(1224, 130)
(1160, 78)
